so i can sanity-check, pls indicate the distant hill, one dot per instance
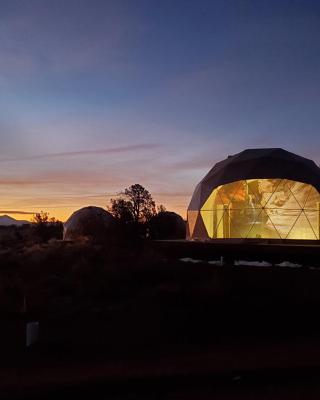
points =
(5, 220)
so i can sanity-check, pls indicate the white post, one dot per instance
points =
(32, 333)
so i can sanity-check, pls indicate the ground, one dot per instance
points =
(134, 321)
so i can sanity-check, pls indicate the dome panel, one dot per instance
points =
(302, 229)
(192, 218)
(89, 223)
(313, 217)
(283, 219)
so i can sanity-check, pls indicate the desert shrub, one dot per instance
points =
(44, 232)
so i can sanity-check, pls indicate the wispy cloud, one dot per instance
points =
(110, 150)
(19, 182)
(16, 212)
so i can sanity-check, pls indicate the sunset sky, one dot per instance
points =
(96, 95)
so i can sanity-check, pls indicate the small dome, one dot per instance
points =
(167, 225)
(93, 223)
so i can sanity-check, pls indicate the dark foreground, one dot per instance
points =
(136, 322)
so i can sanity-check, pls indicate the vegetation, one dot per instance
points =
(47, 228)
(129, 300)
(135, 204)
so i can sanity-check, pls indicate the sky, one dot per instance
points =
(96, 95)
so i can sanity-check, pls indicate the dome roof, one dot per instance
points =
(89, 222)
(273, 163)
(167, 225)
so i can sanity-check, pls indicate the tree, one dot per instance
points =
(121, 209)
(161, 209)
(135, 204)
(47, 228)
(41, 218)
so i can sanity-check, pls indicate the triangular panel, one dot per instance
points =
(235, 229)
(269, 189)
(254, 196)
(263, 227)
(212, 200)
(282, 197)
(192, 219)
(314, 220)
(302, 229)
(229, 192)
(283, 219)
(300, 192)
(313, 200)
(199, 231)
(207, 219)
(221, 223)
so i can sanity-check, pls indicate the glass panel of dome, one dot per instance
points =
(234, 210)
(313, 217)
(239, 193)
(267, 190)
(278, 193)
(212, 200)
(208, 220)
(221, 223)
(200, 230)
(230, 192)
(262, 227)
(253, 193)
(300, 191)
(302, 229)
(234, 216)
(282, 219)
(282, 196)
(192, 219)
(243, 219)
(312, 200)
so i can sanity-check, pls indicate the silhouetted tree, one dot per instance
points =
(161, 208)
(121, 209)
(41, 218)
(135, 204)
(47, 228)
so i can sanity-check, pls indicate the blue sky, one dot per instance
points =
(97, 95)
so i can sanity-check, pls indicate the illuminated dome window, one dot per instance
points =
(257, 206)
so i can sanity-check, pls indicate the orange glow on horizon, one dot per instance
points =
(63, 213)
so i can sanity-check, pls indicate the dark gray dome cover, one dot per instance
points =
(167, 225)
(89, 222)
(273, 163)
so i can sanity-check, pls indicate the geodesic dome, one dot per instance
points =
(258, 193)
(167, 225)
(89, 223)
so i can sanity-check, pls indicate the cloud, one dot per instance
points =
(19, 182)
(111, 150)
(16, 212)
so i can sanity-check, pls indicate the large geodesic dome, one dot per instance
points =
(258, 193)
(93, 223)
